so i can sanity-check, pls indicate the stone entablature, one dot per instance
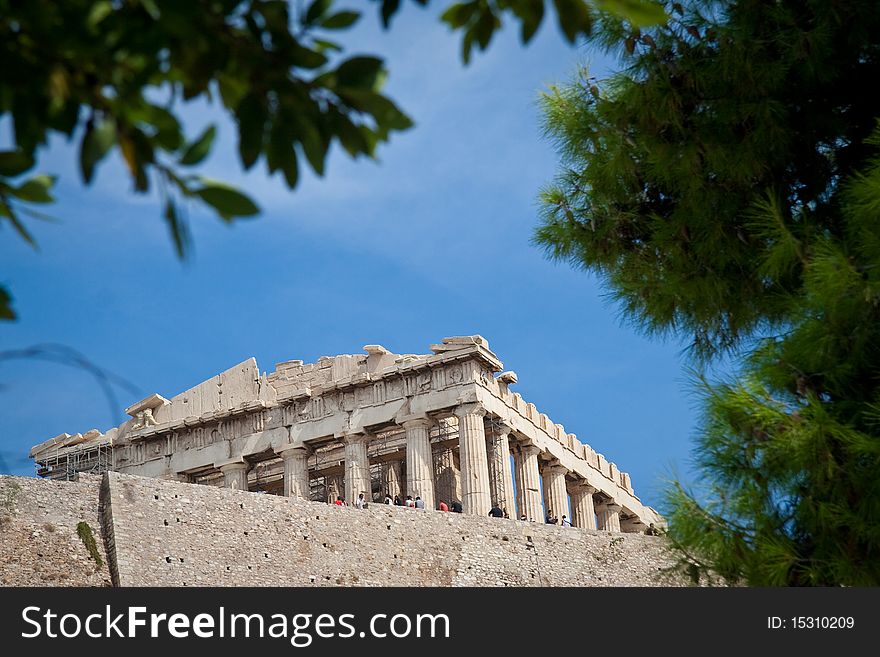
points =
(241, 420)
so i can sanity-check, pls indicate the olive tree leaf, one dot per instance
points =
(640, 13)
(36, 189)
(226, 200)
(96, 142)
(6, 311)
(341, 20)
(359, 72)
(14, 163)
(199, 149)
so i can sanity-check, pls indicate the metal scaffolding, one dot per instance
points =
(67, 464)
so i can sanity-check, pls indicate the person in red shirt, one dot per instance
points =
(444, 506)
(340, 501)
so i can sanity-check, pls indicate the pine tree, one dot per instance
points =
(726, 186)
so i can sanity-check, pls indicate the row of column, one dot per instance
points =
(486, 477)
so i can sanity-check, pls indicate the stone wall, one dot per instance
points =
(39, 543)
(177, 534)
(166, 533)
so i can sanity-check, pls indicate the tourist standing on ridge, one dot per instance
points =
(420, 503)
(550, 519)
(496, 512)
(443, 506)
(565, 521)
(456, 506)
(340, 501)
(388, 499)
(409, 502)
(360, 502)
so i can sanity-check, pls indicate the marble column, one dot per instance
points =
(608, 514)
(235, 475)
(582, 505)
(419, 460)
(528, 484)
(296, 472)
(447, 476)
(474, 460)
(500, 475)
(357, 468)
(391, 478)
(555, 493)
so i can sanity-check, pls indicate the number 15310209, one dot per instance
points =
(811, 623)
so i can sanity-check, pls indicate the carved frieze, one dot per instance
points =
(317, 408)
(394, 388)
(439, 378)
(363, 396)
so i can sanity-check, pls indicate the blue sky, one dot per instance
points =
(431, 241)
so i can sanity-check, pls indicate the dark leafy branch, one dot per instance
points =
(111, 74)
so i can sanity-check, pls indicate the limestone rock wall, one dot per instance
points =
(166, 533)
(176, 534)
(39, 544)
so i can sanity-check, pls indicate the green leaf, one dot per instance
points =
(251, 127)
(350, 137)
(574, 18)
(641, 13)
(313, 145)
(485, 27)
(384, 111)
(36, 189)
(341, 20)
(275, 14)
(6, 311)
(359, 72)
(530, 13)
(199, 149)
(7, 211)
(167, 128)
(306, 58)
(177, 226)
(14, 163)
(152, 9)
(96, 142)
(100, 11)
(228, 201)
(321, 45)
(460, 15)
(316, 11)
(280, 153)
(389, 8)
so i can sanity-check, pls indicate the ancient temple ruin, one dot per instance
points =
(440, 426)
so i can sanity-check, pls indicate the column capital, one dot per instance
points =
(501, 427)
(415, 421)
(584, 486)
(555, 469)
(470, 409)
(293, 451)
(528, 449)
(232, 465)
(353, 437)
